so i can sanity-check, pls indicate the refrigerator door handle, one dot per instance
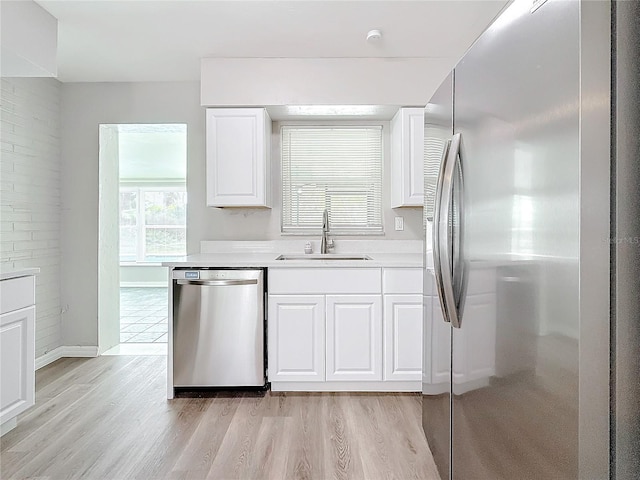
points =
(442, 249)
(460, 266)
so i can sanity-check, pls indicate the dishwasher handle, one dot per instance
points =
(217, 283)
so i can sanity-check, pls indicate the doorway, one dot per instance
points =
(143, 196)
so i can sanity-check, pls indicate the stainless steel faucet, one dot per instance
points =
(326, 243)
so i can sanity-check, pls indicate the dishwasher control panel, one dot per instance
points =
(210, 274)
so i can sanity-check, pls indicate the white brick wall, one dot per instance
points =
(30, 193)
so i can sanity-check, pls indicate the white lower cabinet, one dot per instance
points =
(296, 338)
(474, 345)
(345, 329)
(17, 348)
(354, 337)
(439, 343)
(403, 337)
(17, 361)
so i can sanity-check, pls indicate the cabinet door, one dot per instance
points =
(403, 337)
(440, 343)
(407, 158)
(17, 362)
(475, 345)
(402, 281)
(354, 337)
(238, 157)
(296, 338)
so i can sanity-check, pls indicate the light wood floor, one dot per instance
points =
(107, 418)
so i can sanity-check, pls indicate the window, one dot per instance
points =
(335, 168)
(152, 223)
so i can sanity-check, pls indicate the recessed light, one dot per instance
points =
(332, 109)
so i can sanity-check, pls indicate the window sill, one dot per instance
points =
(332, 234)
(140, 264)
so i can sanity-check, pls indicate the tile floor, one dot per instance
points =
(143, 315)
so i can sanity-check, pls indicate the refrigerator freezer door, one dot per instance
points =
(515, 359)
(436, 384)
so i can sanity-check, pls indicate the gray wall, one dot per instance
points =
(30, 218)
(626, 244)
(84, 107)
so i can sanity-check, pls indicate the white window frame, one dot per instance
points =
(141, 224)
(384, 129)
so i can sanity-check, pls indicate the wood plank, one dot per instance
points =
(77, 422)
(305, 445)
(107, 418)
(377, 452)
(197, 457)
(234, 454)
(342, 459)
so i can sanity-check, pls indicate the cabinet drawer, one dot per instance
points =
(323, 281)
(16, 293)
(402, 280)
(480, 281)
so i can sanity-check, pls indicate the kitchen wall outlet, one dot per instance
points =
(399, 223)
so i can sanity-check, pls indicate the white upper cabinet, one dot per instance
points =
(238, 157)
(407, 158)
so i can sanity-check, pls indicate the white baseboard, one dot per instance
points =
(8, 425)
(389, 386)
(65, 351)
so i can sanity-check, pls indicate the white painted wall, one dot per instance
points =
(84, 107)
(30, 194)
(29, 40)
(108, 246)
(319, 81)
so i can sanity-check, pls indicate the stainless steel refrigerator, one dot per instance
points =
(517, 346)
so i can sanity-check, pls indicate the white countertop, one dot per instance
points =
(242, 259)
(22, 272)
(230, 254)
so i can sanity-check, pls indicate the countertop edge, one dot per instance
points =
(23, 272)
(269, 261)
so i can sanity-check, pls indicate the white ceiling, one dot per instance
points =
(163, 40)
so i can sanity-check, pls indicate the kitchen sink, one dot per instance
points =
(326, 256)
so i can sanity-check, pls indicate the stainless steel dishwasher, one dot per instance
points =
(218, 328)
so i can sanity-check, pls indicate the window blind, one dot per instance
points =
(433, 150)
(337, 168)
